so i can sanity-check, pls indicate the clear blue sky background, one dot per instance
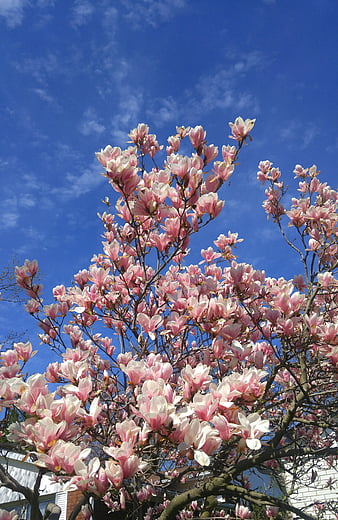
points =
(76, 75)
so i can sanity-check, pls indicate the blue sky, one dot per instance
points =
(77, 75)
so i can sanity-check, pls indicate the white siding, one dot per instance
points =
(61, 500)
(25, 473)
(308, 492)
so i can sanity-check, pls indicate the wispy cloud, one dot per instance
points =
(78, 185)
(40, 67)
(219, 89)
(26, 201)
(12, 11)
(8, 219)
(82, 12)
(34, 239)
(45, 96)
(299, 134)
(225, 88)
(90, 124)
(10, 211)
(166, 110)
(151, 12)
(126, 115)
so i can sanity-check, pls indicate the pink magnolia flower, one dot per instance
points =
(223, 170)
(240, 128)
(85, 474)
(114, 473)
(197, 136)
(135, 370)
(31, 267)
(174, 144)
(92, 417)
(209, 254)
(138, 134)
(9, 372)
(41, 434)
(66, 408)
(242, 512)
(252, 427)
(86, 512)
(107, 154)
(149, 324)
(180, 166)
(195, 378)
(101, 481)
(154, 410)
(204, 405)
(35, 396)
(145, 493)
(202, 438)
(128, 431)
(210, 152)
(229, 152)
(24, 350)
(175, 324)
(299, 282)
(32, 306)
(209, 204)
(299, 171)
(222, 425)
(158, 368)
(9, 357)
(240, 351)
(151, 388)
(126, 457)
(62, 457)
(81, 390)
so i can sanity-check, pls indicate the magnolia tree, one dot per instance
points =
(178, 385)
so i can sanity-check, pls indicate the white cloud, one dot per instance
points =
(309, 134)
(12, 11)
(90, 124)
(40, 67)
(8, 219)
(151, 12)
(221, 92)
(9, 214)
(43, 94)
(34, 238)
(219, 89)
(46, 3)
(12, 206)
(31, 180)
(298, 134)
(127, 115)
(77, 185)
(110, 19)
(165, 110)
(82, 11)
(27, 201)
(225, 88)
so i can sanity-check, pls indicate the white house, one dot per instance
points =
(25, 473)
(318, 484)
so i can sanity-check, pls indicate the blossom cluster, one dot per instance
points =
(192, 366)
